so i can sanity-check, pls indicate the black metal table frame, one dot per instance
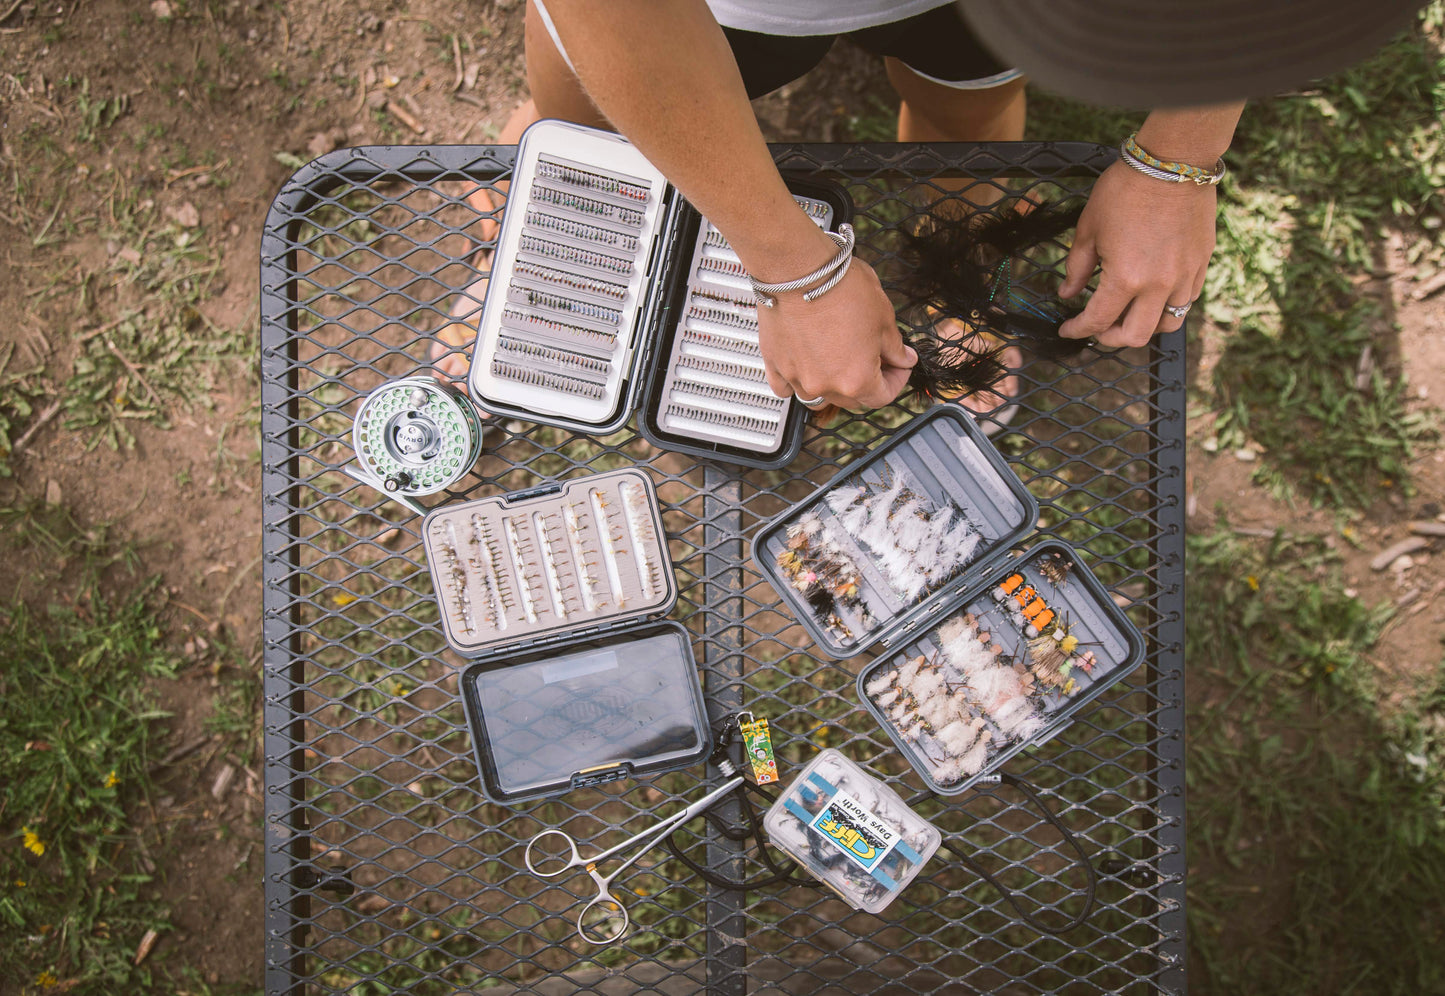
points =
(309, 923)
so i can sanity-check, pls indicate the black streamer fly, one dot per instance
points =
(963, 269)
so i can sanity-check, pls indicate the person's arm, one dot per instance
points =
(1151, 239)
(663, 74)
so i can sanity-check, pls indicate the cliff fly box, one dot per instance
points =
(851, 831)
(559, 591)
(911, 549)
(609, 294)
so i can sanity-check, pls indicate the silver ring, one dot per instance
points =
(813, 403)
(1178, 310)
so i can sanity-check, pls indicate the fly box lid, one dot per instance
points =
(561, 329)
(609, 293)
(707, 390)
(867, 556)
(616, 706)
(851, 832)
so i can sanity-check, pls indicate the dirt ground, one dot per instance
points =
(206, 94)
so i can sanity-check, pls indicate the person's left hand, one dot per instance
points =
(1151, 240)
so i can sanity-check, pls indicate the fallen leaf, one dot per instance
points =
(148, 939)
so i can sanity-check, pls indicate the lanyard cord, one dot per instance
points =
(753, 830)
(1009, 895)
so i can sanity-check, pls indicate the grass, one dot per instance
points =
(20, 390)
(1315, 826)
(1320, 181)
(75, 751)
(157, 348)
(144, 344)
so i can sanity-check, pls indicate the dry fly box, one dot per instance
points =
(560, 591)
(609, 293)
(911, 549)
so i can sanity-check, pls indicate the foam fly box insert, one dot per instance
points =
(610, 294)
(559, 592)
(918, 538)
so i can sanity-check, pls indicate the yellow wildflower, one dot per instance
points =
(33, 843)
(1253, 582)
(111, 781)
(45, 980)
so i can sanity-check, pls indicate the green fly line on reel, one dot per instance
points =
(416, 437)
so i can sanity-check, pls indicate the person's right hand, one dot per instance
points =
(844, 346)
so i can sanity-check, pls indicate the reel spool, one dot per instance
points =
(415, 436)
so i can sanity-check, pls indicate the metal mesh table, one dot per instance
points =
(387, 871)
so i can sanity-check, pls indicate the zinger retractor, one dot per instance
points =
(415, 436)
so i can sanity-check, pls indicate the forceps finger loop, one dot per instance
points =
(603, 920)
(547, 866)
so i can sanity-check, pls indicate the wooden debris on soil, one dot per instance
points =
(147, 941)
(35, 427)
(405, 117)
(1435, 283)
(1387, 556)
(223, 781)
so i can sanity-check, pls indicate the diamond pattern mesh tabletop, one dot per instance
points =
(387, 870)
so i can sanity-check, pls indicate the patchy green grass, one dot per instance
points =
(20, 392)
(1320, 180)
(153, 346)
(144, 346)
(1315, 828)
(75, 753)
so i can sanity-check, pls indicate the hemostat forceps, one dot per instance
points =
(604, 919)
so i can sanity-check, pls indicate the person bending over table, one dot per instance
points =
(675, 77)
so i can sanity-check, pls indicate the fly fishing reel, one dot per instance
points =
(415, 436)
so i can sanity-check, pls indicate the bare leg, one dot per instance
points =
(556, 93)
(931, 112)
(450, 351)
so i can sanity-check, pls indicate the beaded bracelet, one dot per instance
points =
(1133, 154)
(830, 273)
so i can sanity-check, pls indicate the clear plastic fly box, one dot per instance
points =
(851, 832)
(610, 293)
(911, 550)
(560, 592)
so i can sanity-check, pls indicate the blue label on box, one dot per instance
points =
(855, 831)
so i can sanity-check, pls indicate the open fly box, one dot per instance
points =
(610, 293)
(911, 549)
(559, 592)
